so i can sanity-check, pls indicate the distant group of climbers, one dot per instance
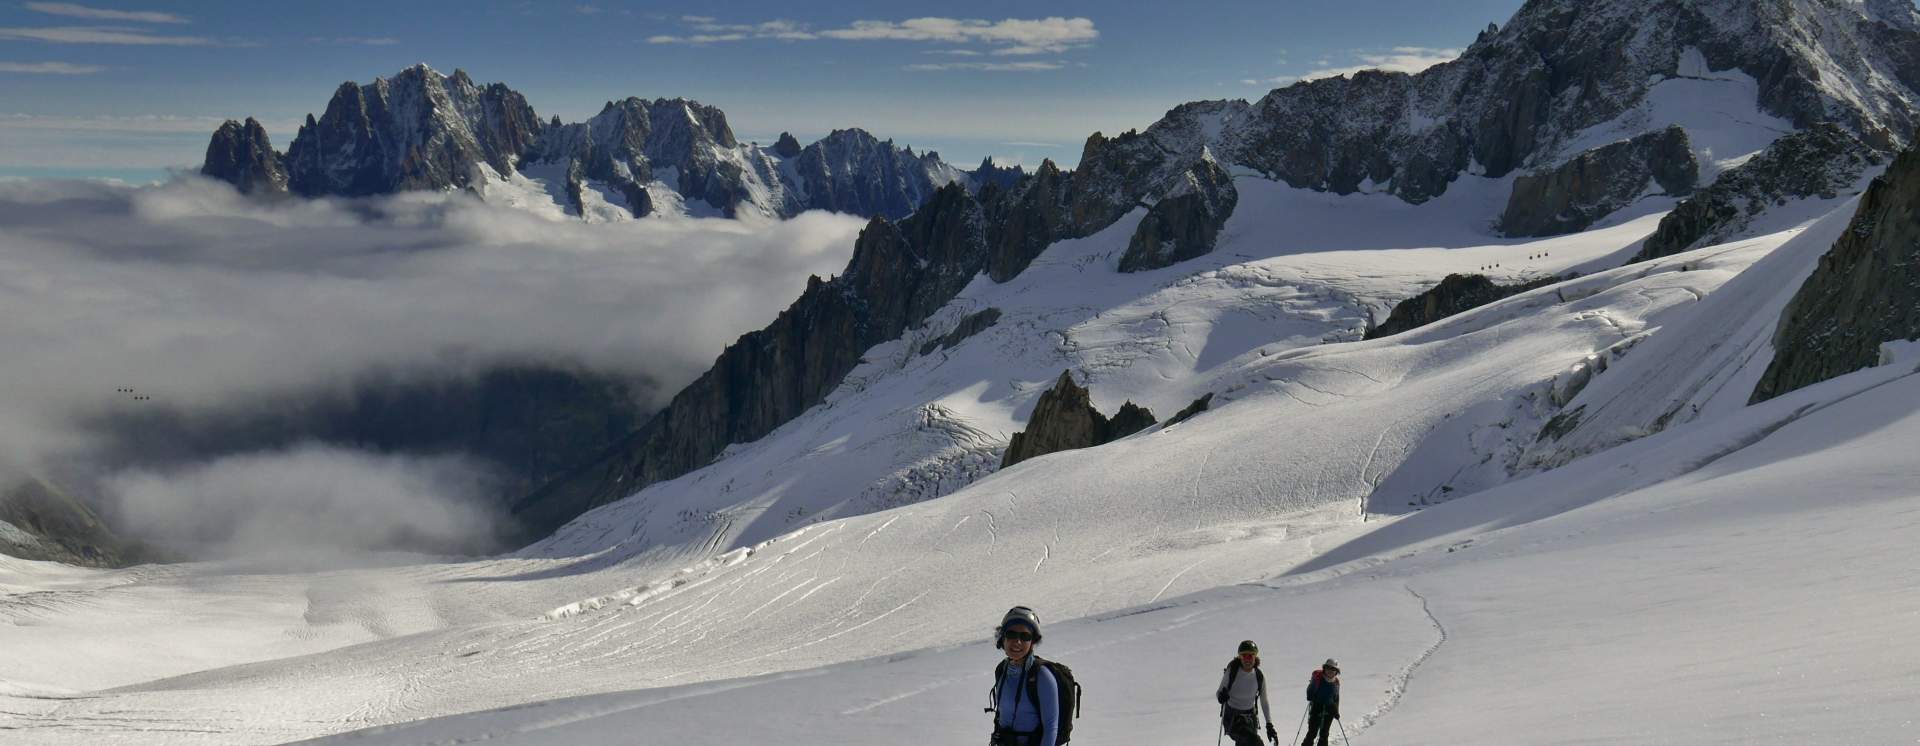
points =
(1034, 701)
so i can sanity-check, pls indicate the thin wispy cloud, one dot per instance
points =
(711, 32)
(1018, 36)
(371, 41)
(72, 10)
(1012, 36)
(999, 67)
(99, 35)
(49, 68)
(1398, 59)
(138, 124)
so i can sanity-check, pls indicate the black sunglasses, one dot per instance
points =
(1017, 636)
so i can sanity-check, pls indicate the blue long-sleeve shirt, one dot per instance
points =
(1016, 704)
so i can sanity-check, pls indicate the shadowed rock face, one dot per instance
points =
(1865, 292)
(1521, 94)
(1185, 224)
(241, 155)
(1597, 182)
(1818, 162)
(1195, 407)
(1064, 419)
(416, 130)
(786, 146)
(1003, 177)
(854, 172)
(1455, 294)
(43, 523)
(899, 275)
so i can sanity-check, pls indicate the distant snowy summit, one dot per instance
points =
(420, 130)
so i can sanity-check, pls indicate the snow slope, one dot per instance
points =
(875, 526)
(1759, 598)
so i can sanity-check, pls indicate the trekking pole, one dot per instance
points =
(1223, 726)
(1343, 732)
(1303, 724)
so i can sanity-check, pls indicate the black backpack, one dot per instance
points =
(1062, 677)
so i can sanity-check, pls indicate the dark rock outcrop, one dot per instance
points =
(1185, 223)
(44, 523)
(1196, 407)
(1064, 419)
(786, 146)
(1455, 294)
(974, 323)
(1002, 177)
(241, 155)
(1597, 182)
(1131, 418)
(1865, 292)
(1818, 162)
(1029, 217)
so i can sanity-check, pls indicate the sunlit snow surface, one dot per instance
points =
(1744, 576)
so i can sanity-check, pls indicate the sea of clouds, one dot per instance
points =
(200, 299)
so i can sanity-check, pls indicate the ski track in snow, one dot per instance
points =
(1398, 682)
(1176, 576)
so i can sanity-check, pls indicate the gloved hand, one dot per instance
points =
(1221, 695)
(1272, 735)
(1334, 712)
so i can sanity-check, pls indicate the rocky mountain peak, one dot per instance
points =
(1002, 177)
(786, 146)
(418, 129)
(241, 154)
(414, 130)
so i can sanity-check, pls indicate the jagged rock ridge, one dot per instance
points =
(1455, 294)
(1185, 223)
(1523, 94)
(241, 155)
(419, 130)
(1065, 419)
(1817, 162)
(1865, 291)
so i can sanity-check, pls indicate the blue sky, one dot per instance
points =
(126, 89)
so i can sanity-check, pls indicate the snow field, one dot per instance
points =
(772, 564)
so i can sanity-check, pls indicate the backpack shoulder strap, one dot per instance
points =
(1033, 679)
